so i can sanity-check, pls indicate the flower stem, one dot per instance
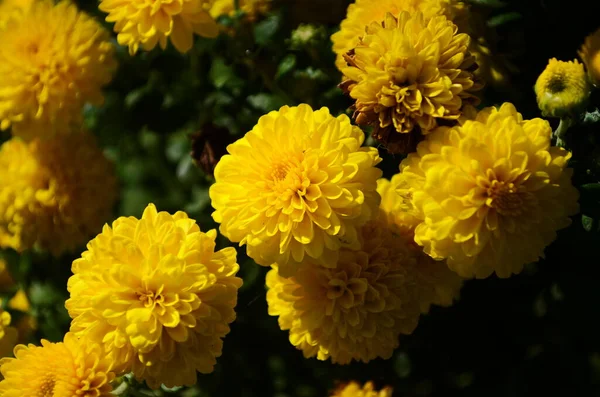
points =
(561, 131)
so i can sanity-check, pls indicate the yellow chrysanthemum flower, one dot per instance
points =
(362, 13)
(354, 389)
(562, 88)
(141, 23)
(8, 334)
(436, 283)
(357, 310)
(409, 72)
(252, 8)
(155, 293)
(296, 188)
(53, 60)
(70, 368)
(10, 9)
(54, 193)
(490, 194)
(590, 55)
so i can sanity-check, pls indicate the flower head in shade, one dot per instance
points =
(252, 8)
(436, 283)
(141, 23)
(296, 188)
(54, 193)
(53, 60)
(355, 389)
(357, 310)
(490, 194)
(590, 55)
(406, 75)
(362, 13)
(562, 88)
(156, 295)
(70, 368)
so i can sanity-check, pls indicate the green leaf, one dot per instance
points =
(286, 65)
(501, 19)
(265, 30)
(265, 102)
(222, 75)
(489, 3)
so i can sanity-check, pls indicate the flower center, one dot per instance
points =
(505, 198)
(32, 48)
(287, 176)
(557, 84)
(47, 386)
(280, 171)
(347, 293)
(150, 298)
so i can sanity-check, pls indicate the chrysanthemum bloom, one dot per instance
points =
(491, 193)
(54, 193)
(141, 23)
(357, 310)
(252, 8)
(70, 368)
(296, 188)
(436, 283)
(590, 55)
(53, 60)
(8, 334)
(156, 295)
(354, 389)
(408, 73)
(12, 9)
(364, 12)
(562, 89)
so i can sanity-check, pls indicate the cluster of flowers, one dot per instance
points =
(149, 296)
(355, 259)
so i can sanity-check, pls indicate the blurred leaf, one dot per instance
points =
(223, 75)
(489, 3)
(265, 102)
(501, 19)
(286, 65)
(402, 365)
(265, 30)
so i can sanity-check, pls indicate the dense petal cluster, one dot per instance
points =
(252, 8)
(490, 194)
(54, 193)
(562, 88)
(355, 311)
(355, 389)
(70, 368)
(296, 188)
(156, 295)
(53, 60)
(141, 23)
(590, 55)
(408, 73)
(362, 13)
(436, 283)
(10, 9)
